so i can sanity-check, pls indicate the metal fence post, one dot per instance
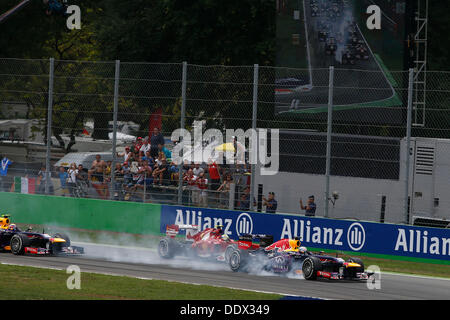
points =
(49, 125)
(254, 143)
(408, 143)
(329, 130)
(114, 137)
(182, 125)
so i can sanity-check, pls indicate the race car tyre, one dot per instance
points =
(63, 236)
(57, 247)
(358, 261)
(228, 252)
(18, 243)
(167, 248)
(310, 267)
(238, 260)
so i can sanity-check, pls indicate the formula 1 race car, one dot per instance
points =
(210, 243)
(286, 255)
(21, 242)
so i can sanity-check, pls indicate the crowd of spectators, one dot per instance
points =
(146, 168)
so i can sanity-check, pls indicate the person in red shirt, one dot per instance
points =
(214, 175)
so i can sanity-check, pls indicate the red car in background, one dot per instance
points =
(210, 243)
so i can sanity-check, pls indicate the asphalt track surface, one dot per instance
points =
(145, 263)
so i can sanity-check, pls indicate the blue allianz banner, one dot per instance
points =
(346, 235)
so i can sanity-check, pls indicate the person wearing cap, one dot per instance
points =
(145, 147)
(138, 144)
(270, 203)
(310, 208)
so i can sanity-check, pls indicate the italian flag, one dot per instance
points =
(24, 185)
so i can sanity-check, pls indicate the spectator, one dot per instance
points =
(155, 139)
(137, 145)
(108, 169)
(97, 169)
(161, 174)
(270, 203)
(310, 208)
(42, 178)
(72, 179)
(126, 154)
(185, 167)
(160, 158)
(244, 200)
(167, 153)
(145, 147)
(214, 175)
(190, 179)
(82, 176)
(118, 180)
(174, 172)
(5, 163)
(126, 171)
(197, 169)
(225, 190)
(202, 184)
(149, 159)
(131, 176)
(63, 177)
(148, 172)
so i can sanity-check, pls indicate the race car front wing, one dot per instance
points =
(63, 251)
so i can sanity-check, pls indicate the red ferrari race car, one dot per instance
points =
(286, 255)
(210, 243)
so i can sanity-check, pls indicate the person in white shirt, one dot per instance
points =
(72, 179)
(197, 170)
(145, 147)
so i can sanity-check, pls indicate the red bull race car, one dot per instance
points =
(20, 242)
(253, 252)
(210, 243)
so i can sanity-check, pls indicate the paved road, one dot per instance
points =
(145, 263)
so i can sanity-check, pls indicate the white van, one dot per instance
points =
(83, 158)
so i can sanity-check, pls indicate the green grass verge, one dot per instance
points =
(29, 283)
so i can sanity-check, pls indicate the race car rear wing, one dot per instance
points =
(173, 229)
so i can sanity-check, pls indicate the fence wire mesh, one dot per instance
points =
(217, 106)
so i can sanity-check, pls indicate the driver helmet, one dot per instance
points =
(294, 244)
(219, 229)
(302, 249)
(225, 237)
(12, 227)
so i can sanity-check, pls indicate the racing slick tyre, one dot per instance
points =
(18, 243)
(57, 247)
(63, 236)
(358, 261)
(310, 267)
(238, 260)
(167, 248)
(228, 252)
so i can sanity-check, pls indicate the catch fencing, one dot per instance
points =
(357, 140)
